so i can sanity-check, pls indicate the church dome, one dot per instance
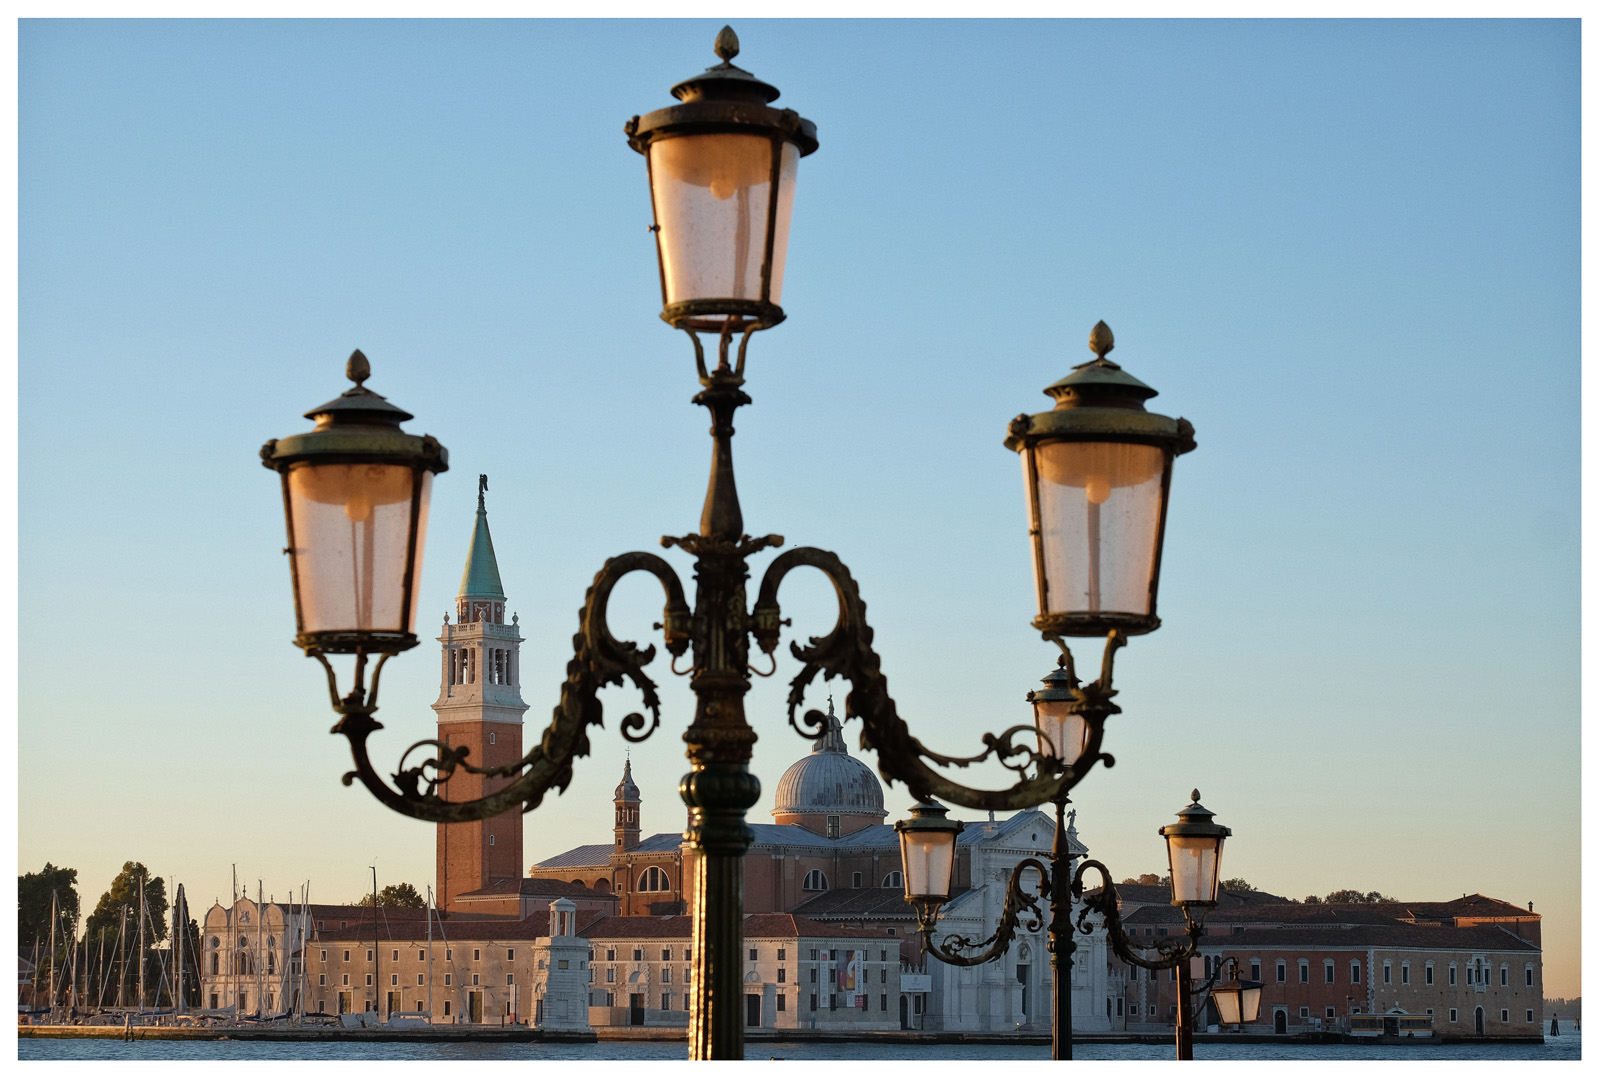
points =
(829, 780)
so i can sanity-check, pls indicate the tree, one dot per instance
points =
(117, 916)
(395, 895)
(1237, 884)
(1149, 878)
(33, 904)
(1351, 895)
(1314, 900)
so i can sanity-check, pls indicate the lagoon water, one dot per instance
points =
(1566, 1047)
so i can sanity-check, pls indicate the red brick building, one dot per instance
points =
(1472, 965)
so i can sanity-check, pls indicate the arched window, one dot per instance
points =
(894, 880)
(214, 960)
(815, 881)
(654, 880)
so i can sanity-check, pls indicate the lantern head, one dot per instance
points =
(1194, 856)
(1238, 999)
(928, 855)
(722, 170)
(1063, 729)
(1098, 469)
(355, 500)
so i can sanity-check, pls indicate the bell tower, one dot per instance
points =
(480, 707)
(626, 799)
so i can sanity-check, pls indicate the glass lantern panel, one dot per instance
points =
(928, 858)
(711, 199)
(1062, 734)
(352, 528)
(1194, 861)
(1249, 1004)
(1227, 1002)
(1099, 520)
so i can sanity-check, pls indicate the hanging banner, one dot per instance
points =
(852, 980)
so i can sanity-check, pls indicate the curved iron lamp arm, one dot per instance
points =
(599, 659)
(846, 652)
(1011, 918)
(1170, 951)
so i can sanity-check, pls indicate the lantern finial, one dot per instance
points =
(727, 45)
(1194, 795)
(357, 369)
(1101, 341)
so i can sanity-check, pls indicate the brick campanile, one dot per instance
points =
(480, 706)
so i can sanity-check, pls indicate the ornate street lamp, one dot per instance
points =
(722, 165)
(927, 880)
(1195, 844)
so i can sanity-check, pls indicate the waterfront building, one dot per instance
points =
(830, 860)
(1471, 966)
(799, 974)
(456, 970)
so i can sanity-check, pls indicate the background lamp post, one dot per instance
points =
(927, 882)
(721, 166)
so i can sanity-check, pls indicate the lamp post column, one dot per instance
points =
(719, 788)
(1185, 1012)
(1062, 944)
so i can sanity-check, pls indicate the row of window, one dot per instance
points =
(666, 955)
(817, 881)
(1477, 972)
(422, 955)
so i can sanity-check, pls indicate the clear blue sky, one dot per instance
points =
(1347, 251)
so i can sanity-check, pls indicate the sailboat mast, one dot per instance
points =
(54, 917)
(429, 913)
(143, 881)
(177, 933)
(377, 982)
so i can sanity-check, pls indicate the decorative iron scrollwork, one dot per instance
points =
(846, 652)
(1170, 951)
(599, 659)
(1021, 911)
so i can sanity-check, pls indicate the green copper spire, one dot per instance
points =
(481, 578)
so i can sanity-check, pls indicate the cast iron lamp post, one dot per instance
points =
(1194, 852)
(722, 166)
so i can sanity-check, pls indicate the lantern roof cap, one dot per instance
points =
(358, 405)
(481, 576)
(1195, 819)
(724, 81)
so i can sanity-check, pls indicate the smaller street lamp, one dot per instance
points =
(1238, 1000)
(927, 851)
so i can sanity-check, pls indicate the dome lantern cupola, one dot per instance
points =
(829, 791)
